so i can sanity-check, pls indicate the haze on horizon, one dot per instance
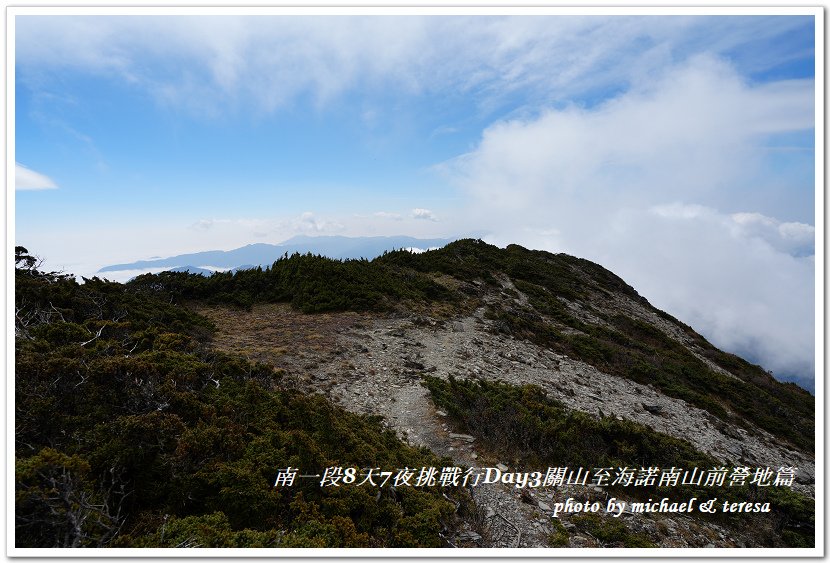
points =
(677, 151)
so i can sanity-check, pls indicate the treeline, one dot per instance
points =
(310, 283)
(131, 432)
(315, 283)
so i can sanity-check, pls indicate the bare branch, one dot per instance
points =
(58, 312)
(97, 335)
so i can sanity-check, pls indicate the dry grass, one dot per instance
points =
(276, 333)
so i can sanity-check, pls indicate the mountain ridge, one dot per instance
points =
(264, 254)
(469, 355)
(563, 306)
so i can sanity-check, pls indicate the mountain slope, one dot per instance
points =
(130, 431)
(469, 355)
(373, 362)
(564, 304)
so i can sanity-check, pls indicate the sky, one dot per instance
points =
(677, 151)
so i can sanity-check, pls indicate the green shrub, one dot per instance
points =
(610, 532)
(536, 431)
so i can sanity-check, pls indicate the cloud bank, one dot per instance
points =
(669, 186)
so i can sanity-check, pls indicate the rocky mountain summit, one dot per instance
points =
(498, 362)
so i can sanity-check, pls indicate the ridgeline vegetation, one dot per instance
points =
(457, 276)
(525, 425)
(132, 431)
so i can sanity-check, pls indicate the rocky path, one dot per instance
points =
(373, 365)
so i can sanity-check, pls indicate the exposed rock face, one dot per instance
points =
(373, 364)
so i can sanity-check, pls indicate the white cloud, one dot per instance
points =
(419, 213)
(274, 227)
(667, 186)
(388, 215)
(308, 223)
(748, 290)
(693, 134)
(796, 239)
(207, 63)
(28, 179)
(207, 224)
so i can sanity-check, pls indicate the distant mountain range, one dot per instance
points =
(262, 254)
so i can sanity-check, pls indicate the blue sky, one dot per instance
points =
(677, 151)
